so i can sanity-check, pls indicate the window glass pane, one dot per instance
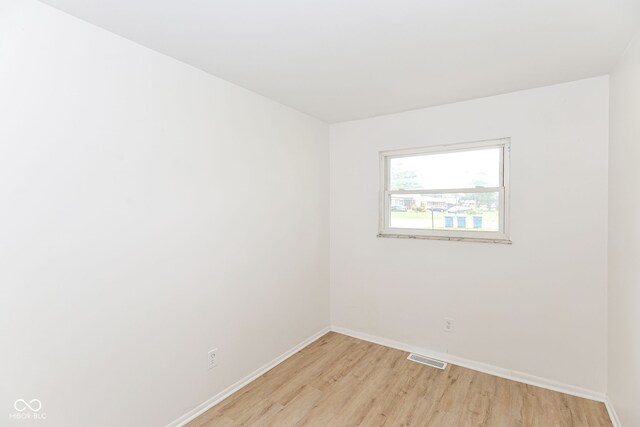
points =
(456, 211)
(462, 169)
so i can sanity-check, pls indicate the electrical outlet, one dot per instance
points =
(448, 325)
(213, 358)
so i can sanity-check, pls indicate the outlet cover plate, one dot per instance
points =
(448, 325)
(213, 358)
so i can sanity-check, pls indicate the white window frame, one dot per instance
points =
(500, 236)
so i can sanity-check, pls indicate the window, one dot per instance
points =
(451, 192)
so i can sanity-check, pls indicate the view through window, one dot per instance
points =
(458, 191)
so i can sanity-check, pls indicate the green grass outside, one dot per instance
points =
(490, 219)
(487, 216)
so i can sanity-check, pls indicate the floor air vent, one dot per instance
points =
(427, 361)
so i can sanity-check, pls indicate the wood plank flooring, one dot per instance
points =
(342, 381)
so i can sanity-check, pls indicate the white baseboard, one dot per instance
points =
(208, 404)
(479, 366)
(612, 412)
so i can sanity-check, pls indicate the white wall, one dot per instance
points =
(537, 306)
(624, 238)
(150, 212)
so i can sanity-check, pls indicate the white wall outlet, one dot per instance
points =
(213, 358)
(448, 325)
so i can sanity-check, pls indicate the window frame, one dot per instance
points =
(384, 205)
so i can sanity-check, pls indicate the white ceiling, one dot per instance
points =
(347, 59)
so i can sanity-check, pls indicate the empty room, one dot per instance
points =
(319, 213)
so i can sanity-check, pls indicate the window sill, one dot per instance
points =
(502, 241)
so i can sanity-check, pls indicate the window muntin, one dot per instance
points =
(455, 192)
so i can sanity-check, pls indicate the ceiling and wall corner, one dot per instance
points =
(343, 60)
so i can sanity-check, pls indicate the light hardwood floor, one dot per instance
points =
(342, 381)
